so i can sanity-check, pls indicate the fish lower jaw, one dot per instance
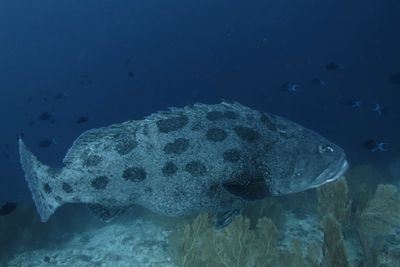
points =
(334, 176)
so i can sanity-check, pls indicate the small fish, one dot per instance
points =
(45, 143)
(374, 146)
(289, 87)
(31, 123)
(59, 96)
(127, 61)
(85, 80)
(332, 66)
(354, 103)
(46, 115)
(319, 82)
(131, 74)
(82, 119)
(395, 78)
(6, 155)
(379, 109)
(30, 99)
(7, 208)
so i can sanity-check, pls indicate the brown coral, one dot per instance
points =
(380, 218)
(333, 199)
(334, 249)
(199, 244)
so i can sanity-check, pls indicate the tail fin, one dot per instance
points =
(39, 182)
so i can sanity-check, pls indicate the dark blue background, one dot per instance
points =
(195, 51)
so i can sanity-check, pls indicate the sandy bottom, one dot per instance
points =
(141, 243)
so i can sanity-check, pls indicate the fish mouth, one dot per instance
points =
(332, 173)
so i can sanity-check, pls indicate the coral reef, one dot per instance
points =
(379, 224)
(238, 245)
(334, 248)
(199, 244)
(340, 208)
(350, 222)
(394, 169)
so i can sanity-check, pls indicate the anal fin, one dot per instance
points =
(106, 213)
(223, 219)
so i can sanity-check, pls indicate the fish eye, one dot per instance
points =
(323, 149)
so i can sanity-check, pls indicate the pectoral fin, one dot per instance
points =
(249, 189)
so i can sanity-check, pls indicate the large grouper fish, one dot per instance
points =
(200, 158)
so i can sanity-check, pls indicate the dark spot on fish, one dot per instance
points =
(67, 188)
(172, 124)
(219, 115)
(246, 133)
(216, 135)
(169, 169)
(100, 182)
(232, 155)
(46, 259)
(58, 199)
(82, 119)
(179, 146)
(266, 120)
(134, 174)
(230, 115)
(92, 160)
(196, 168)
(125, 146)
(47, 188)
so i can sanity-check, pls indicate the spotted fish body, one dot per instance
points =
(212, 158)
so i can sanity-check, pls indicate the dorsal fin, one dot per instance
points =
(97, 135)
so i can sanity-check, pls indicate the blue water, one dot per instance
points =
(121, 60)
